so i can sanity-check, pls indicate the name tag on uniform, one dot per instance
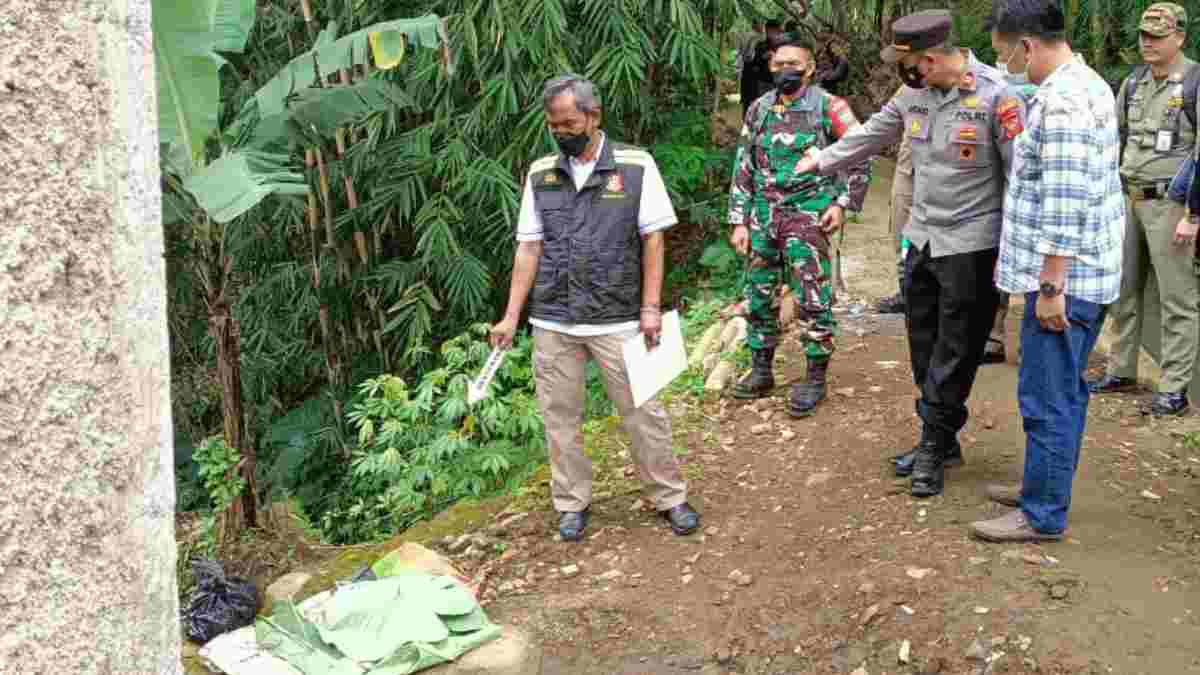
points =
(1163, 141)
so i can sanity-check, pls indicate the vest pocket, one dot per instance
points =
(547, 285)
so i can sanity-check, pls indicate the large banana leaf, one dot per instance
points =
(385, 41)
(187, 37)
(239, 180)
(314, 114)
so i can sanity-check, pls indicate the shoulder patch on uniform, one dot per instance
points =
(841, 116)
(638, 157)
(1009, 112)
(544, 164)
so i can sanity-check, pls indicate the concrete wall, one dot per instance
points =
(87, 556)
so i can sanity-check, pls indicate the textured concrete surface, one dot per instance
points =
(87, 556)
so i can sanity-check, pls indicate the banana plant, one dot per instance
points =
(189, 40)
(213, 176)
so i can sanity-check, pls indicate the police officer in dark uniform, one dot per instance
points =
(756, 72)
(960, 116)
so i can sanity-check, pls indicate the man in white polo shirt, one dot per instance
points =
(590, 261)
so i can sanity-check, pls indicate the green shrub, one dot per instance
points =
(422, 448)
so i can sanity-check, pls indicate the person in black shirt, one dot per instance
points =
(756, 73)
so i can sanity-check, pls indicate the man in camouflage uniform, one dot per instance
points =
(1158, 129)
(783, 219)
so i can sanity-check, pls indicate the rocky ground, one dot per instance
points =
(814, 558)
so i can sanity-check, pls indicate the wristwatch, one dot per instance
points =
(1049, 290)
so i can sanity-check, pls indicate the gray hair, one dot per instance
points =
(584, 91)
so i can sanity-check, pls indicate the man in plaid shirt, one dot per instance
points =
(1064, 221)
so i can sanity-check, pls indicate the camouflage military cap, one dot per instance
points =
(1163, 18)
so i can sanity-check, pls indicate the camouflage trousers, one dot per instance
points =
(793, 250)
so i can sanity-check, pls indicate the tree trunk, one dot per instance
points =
(224, 329)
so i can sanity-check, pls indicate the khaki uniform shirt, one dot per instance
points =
(961, 142)
(1155, 107)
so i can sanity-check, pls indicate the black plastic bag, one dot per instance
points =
(219, 604)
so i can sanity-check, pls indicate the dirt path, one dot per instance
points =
(837, 567)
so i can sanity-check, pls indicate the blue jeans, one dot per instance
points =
(1053, 398)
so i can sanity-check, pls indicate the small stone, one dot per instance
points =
(845, 391)
(977, 652)
(1151, 496)
(907, 610)
(868, 615)
(875, 390)
(982, 610)
(867, 587)
(506, 587)
(569, 571)
(692, 559)
(687, 579)
(905, 648)
(918, 573)
(859, 671)
(976, 561)
(724, 656)
(1058, 592)
(687, 569)
(818, 479)
(711, 531)
(760, 428)
(787, 435)
(639, 505)
(1024, 642)
(745, 580)
(612, 575)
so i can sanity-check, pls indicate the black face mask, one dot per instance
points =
(572, 145)
(788, 82)
(911, 76)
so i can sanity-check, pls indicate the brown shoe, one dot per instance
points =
(1012, 528)
(1008, 495)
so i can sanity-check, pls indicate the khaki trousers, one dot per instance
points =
(1149, 249)
(559, 361)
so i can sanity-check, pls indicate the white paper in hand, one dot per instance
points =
(477, 390)
(651, 370)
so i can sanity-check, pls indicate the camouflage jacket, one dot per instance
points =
(774, 138)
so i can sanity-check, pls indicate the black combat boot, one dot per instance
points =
(760, 381)
(929, 464)
(805, 396)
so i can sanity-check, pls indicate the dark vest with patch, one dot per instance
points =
(591, 266)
